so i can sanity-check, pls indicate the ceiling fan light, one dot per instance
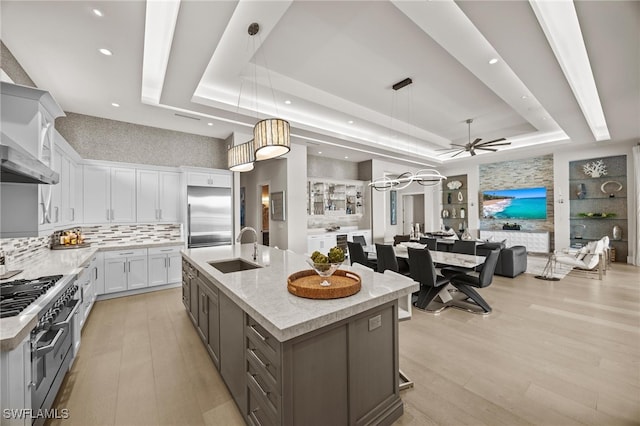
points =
(271, 138)
(240, 157)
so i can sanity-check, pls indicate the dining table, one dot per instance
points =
(449, 296)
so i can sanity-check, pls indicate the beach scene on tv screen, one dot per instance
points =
(522, 203)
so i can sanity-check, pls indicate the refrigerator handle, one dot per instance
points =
(189, 225)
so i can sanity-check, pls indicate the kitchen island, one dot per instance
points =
(289, 360)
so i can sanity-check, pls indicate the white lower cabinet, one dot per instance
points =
(125, 270)
(15, 389)
(165, 265)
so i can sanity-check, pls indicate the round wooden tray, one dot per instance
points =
(307, 284)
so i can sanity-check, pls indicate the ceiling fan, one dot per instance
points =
(471, 147)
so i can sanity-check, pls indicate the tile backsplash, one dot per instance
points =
(20, 249)
(17, 250)
(108, 235)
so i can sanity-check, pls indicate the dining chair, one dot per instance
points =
(466, 282)
(462, 247)
(397, 239)
(357, 255)
(386, 258)
(424, 271)
(360, 240)
(429, 242)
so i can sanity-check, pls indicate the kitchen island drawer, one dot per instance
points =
(265, 396)
(263, 340)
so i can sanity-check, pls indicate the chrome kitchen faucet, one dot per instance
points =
(255, 242)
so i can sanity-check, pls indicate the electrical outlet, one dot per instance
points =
(375, 322)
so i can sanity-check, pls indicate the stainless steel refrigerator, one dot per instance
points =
(209, 216)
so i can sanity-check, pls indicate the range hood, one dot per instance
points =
(18, 166)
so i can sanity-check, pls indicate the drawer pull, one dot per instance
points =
(257, 358)
(264, 393)
(263, 338)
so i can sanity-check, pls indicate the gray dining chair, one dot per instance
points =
(424, 271)
(357, 255)
(466, 282)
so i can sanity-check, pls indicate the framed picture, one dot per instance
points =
(277, 206)
(242, 207)
(393, 202)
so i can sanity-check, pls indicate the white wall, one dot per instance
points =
(287, 173)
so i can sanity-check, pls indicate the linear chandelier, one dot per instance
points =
(425, 177)
(271, 136)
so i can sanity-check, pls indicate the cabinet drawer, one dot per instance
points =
(270, 371)
(266, 397)
(263, 340)
(258, 414)
(125, 253)
(165, 250)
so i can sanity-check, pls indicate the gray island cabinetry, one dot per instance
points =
(293, 361)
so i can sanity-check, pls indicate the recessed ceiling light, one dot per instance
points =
(97, 12)
(523, 97)
(346, 156)
(115, 104)
(493, 61)
(209, 124)
(350, 121)
(105, 52)
(319, 152)
(288, 102)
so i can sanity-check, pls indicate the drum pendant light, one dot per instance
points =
(240, 157)
(271, 138)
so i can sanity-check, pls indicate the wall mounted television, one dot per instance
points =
(520, 203)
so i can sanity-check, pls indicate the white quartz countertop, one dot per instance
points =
(53, 262)
(263, 294)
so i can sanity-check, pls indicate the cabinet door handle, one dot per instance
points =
(57, 214)
(165, 263)
(108, 215)
(169, 260)
(204, 303)
(95, 270)
(112, 214)
(124, 266)
(73, 213)
(160, 210)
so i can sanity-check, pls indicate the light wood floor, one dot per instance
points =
(551, 353)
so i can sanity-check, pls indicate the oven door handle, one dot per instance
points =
(45, 349)
(66, 322)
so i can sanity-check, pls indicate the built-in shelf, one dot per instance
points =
(597, 201)
(458, 224)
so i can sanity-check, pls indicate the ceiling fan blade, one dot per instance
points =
(457, 153)
(496, 140)
(486, 149)
(493, 143)
(476, 141)
(472, 152)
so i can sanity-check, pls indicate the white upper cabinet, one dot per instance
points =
(158, 196)
(220, 179)
(109, 194)
(123, 195)
(96, 194)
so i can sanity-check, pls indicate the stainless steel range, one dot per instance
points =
(51, 339)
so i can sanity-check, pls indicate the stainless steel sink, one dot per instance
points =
(233, 265)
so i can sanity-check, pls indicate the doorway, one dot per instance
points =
(264, 199)
(412, 212)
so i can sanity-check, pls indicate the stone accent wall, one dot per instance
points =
(98, 138)
(527, 173)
